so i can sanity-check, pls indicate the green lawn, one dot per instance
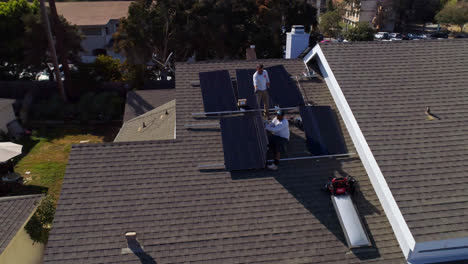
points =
(45, 154)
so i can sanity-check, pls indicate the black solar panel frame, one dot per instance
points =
(245, 142)
(283, 90)
(245, 87)
(322, 131)
(217, 91)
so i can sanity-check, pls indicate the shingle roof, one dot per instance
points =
(159, 124)
(388, 87)
(140, 102)
(182, 214)
(14, 211)
(92, 13)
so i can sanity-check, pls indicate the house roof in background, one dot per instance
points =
(14, 212)
(159, 124)
(183, 214)
(142, 101)
(92, 13)
(388, 86)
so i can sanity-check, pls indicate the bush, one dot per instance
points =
(136, 75)
(361, 32)
(89, 76)
(101, 106)
(91, 106)
(38, 226)
(52, 108)
(107, 69)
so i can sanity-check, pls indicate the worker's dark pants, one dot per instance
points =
(277, 144)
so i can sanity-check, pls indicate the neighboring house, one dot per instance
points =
(97, 21)
(7, 113)
(378, 13)
(183, 214)
(16, 247)
(417, 160)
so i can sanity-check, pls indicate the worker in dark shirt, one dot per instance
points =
(279, 137)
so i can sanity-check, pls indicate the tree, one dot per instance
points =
(26, 45)
(361, 32)
(330, 23)
(330, 5)
(107, 69)
(209, 29)
(456, 14)
(12, 29)
(38, 226)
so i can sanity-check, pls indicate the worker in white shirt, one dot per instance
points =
(261, 82)
(279, 128)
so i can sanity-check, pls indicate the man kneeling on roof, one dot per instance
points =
(279, 128)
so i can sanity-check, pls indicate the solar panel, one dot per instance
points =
(245, 87)
(217, 91)
(283, 90)
(244, 142)
(322, 132)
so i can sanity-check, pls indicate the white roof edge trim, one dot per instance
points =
(394, 215)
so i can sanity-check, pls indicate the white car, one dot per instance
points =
(381, 35)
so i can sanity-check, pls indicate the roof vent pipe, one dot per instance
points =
(133, 246)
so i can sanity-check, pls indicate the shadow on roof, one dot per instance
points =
(304, 179)
(144, 257)
(139, 104)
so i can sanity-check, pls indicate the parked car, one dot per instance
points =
(395, 36)
(439, 35)
(381, 35)
(412, 36)
(461, 35)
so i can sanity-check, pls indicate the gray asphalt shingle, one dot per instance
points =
(182, 214)
(388, 87)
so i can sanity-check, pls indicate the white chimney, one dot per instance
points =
(296, 41)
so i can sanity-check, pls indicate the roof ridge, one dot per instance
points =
(19, 197)
(111, 144)
(401, 42)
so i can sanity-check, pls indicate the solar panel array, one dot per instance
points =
(245, 87)
(244, 137)
(244, 142)
(218, 94)
(322, 132)
(283, 90)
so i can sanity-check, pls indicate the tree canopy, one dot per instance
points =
(454, 13)
(361, 32)
(330, 23)
(24, 44)
(210, 29)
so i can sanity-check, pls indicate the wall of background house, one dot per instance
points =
(98, 37)
(22, 250)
